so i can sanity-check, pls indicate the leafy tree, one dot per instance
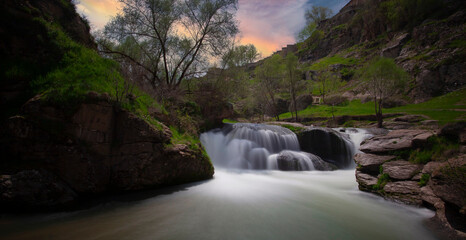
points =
(307, 31)
(384, 79)
(292, 77)
(241, 55)
(313, 17)
(269, 77)
(328, 82)
(317, 14)
(171, 40)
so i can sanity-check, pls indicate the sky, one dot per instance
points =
(268, 24)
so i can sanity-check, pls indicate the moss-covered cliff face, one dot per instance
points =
(68, 127)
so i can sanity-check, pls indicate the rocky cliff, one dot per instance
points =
(51, 157)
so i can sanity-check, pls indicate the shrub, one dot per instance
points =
(424, 179)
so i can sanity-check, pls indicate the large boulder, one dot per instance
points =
(332, 146)
(302, 102)
(395, 140)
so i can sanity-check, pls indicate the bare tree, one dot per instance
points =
(171, 40)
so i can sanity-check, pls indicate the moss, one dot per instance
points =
(294, 129)
(424, 179)
(229, 121)
(457, 43)
(381, 182)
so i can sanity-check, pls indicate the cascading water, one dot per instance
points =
(257, 146)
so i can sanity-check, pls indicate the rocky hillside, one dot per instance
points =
(427, 41)
(70, 128)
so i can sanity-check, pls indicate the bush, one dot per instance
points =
(337, 100)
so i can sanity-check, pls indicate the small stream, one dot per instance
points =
(245, 200)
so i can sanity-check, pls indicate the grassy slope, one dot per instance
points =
(448, 108)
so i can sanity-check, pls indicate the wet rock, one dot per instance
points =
(296, 161)
(33, 189)
(401, 170)
(393, 141)
(404, 191)
(330, 145)
(370, 163)
(366, 182)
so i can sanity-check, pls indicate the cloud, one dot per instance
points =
(99, 12)
(270, 25)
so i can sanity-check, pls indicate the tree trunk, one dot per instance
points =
(379, 115)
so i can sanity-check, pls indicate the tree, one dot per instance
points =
(328, 81)
(291, 65)
(313, 17)
(241, 55)
(269, 76)
(384, 79)
(316, 14)
(171, 40)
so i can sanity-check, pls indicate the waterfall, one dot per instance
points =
(258, 146)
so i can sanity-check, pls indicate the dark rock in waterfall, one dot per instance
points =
(301, 161)
(330, 145)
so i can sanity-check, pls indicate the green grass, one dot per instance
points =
(325, 62)
(447, 108)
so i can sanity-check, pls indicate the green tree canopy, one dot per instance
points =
(384, 79)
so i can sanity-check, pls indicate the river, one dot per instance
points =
(236, 204)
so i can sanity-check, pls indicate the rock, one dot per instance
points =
(33, 189)
(302, 102)
(428, 196)
(409, 118)
(447, 181)
(366, 182)
(393, 141)
(297, 161)
(394, 46)
(370, 163)
(99, 149)
(401, 170)
(404, 191)
(454, 131)
(330, 145)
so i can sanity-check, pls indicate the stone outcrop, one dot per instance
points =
(100, 148)
(436, 185)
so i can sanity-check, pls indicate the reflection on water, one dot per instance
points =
(238, 205)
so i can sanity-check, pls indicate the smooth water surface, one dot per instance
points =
(238, 205)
